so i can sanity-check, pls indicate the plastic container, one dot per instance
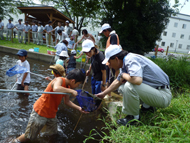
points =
(53, 52)
(49, 51)
(83, 59)
(36, 49)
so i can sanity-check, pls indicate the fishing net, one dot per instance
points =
(16, 70)
(88, 101)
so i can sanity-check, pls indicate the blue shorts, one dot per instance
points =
(96, 86)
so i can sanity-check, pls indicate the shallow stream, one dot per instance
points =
(15, 109)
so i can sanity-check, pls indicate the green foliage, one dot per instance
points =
(178, 70)
(8, 7)
(169, 124)
(138, 23)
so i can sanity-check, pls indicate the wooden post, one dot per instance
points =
(28, 36)
(12, 36)
(156, 51)
(49, 38)
(167, 50)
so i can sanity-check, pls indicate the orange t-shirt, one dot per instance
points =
(47, 104)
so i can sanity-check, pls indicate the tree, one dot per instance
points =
(8, 7)
(80, 11)
(139, 23)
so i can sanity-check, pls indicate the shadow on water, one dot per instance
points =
(15, 109)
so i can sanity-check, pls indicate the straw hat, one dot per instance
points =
(60, 69)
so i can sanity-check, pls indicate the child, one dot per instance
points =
(62, 56)
(98, 80)
(71, 43)
(59, 48)
(72, 61)
(23, 80)
(45, 108)
(58, 71)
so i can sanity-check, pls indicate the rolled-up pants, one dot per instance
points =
(20, 35)
(9, 34)
(47, 39)
(132, 94)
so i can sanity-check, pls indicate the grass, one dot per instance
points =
(171, 124)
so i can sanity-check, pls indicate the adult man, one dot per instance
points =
(68, 29)
(9, 27)
(40, 34)
(61, 36)
(34, 32)
(27, 27)
(48, 28)
(1, 29)
(75, 34)
(59, 27)
(145, 81)
(19, 27)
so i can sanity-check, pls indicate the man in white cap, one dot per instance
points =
(9, 27)
(140, 80)
(113, 39)
(68, 29)
(19, 27)
(1, 29)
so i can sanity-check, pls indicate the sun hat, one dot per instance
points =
(111, 51)
(104, 27)
(87, 45)
(64, 54)
(67, 21)
(60, 69)
(67, 39)
(22, 52)
(73, 52)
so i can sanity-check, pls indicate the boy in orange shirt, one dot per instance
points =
(45, 108)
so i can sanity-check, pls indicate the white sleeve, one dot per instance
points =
(27, 66)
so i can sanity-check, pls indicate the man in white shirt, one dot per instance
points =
(48, 28)
(75, 34)
(9, 26)
(40, 34)
(27, 27)
(34, 32)
(1, 29)
(19, 27)
(61, 35)
(59, 27)
(68, 29)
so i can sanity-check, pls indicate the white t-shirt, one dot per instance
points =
(75, 32)
(62, 37)
(20, 76)
(68, 29)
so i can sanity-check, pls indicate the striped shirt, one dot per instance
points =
(19, 26)
(10, 26)
(48, 28)
(34, 28)
(27, 28)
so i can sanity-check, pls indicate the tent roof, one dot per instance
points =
(45, 13)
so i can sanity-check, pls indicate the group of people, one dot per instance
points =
(37, 29)
(136, 77)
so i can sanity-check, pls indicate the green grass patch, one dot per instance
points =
(171, 124)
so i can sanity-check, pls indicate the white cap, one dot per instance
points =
(64, 54)
(67, 21)
(104, 27)
(87, 45)
(73, 52)
(67, 39)
(111, 51)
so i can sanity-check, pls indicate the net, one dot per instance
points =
(88, 101)
(16, 70)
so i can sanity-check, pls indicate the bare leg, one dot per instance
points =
(22, 138)
(26, 89)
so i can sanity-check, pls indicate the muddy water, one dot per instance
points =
(15, 109)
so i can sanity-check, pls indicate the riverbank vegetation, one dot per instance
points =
(171, 124)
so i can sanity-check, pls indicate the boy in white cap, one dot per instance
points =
(140, 80)
(71, 61)
(9, 27)
(98, 79)
(62, 57)
(68, 29)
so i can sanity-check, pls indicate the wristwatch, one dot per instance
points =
(104, 85)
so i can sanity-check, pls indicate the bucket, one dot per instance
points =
(49, 51)
(36, 49)
(53, 52)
